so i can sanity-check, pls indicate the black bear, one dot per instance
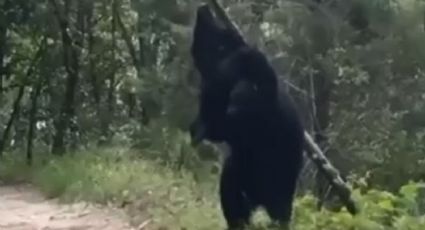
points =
(243, 104)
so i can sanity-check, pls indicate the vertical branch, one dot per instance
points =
(133, 53)
(71, 64)
(107, 117)
(137, 61)
(91, 41)
(321, 91)
(3, 41)
(32, 115)
(113, 56)
(12, 118)
(32, 120)
(127, 38)
(140, 38)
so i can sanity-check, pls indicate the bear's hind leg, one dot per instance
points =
(235, 206)
(279, 205)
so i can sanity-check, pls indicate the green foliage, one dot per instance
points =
(173, 200)
(379, 210)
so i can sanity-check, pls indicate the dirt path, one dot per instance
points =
(23, 208)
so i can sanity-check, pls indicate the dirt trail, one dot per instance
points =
(23, 208)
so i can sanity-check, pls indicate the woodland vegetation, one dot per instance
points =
(96, 99)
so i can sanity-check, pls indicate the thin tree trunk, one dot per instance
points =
(91, 41)
(3, 41)
(143, 61)
(321, 116)
(108, 117)
(78, 41)
(71, 63)
(32, 120)
(131, 97)
(111, 96)
(140, 38)
(17, 102)
(127, 39)
(13, 116)
(2, 51)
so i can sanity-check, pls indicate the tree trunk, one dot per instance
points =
(138, 61)
(32, 120)
(71, 63)
(127, 39)
(131, 102)
(3, 41)
(321, 116)
(91, 41)
(17, 102)
(108, 117)
(13, 116)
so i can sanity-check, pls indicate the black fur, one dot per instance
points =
(243, 105)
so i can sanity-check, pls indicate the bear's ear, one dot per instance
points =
(205, 36)
(211, 42)
(206, 31)
(205, 17)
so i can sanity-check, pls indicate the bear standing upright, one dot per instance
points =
(243, 104)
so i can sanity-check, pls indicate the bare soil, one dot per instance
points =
(24, 208)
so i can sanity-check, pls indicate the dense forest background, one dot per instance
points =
(113, 81)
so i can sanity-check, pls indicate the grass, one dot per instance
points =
(115, 176)
(172, 199)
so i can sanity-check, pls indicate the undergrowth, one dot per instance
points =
(172, 199)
